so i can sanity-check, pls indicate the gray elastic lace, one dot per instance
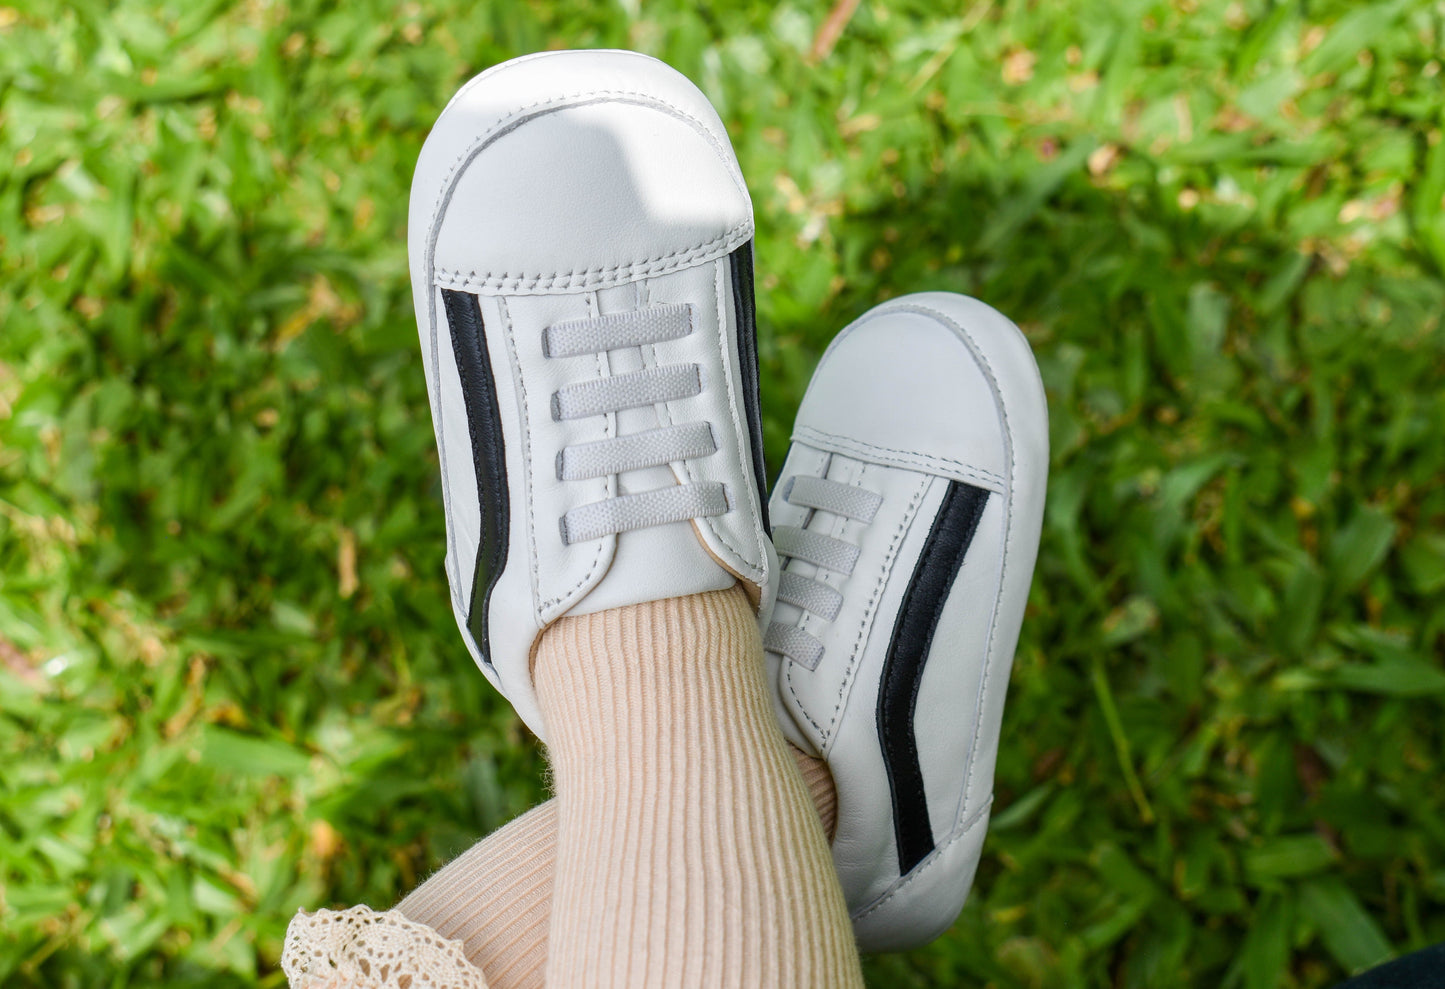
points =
(653, 448)
(826, 552)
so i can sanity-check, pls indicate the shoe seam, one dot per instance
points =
(451, 562)
(504, 123)
(468, 152)
(988, 371)
(519, 116)
(502, 68)
(754, 572)
(890, 456)
(978, 817)
(890, 557)
(744, 436)
(589, 278)
(1005, 488)
(529, 465)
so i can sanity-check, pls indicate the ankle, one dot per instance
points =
(819, 781)
(617, 682)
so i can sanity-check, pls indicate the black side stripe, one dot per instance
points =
(933, 576)
(489, 454)
(743, 304)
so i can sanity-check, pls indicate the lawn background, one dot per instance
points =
(230, 683)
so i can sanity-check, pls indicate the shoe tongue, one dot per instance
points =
(662, 561)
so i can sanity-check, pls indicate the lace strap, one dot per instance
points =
(597, 334)
(646, 508)
(831, 496)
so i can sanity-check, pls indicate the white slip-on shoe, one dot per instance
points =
(906, 520)
(580, 240)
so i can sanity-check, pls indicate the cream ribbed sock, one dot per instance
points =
(496, 897)
(689, 855)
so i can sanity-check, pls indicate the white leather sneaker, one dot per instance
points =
(907, 521)
(581, 261)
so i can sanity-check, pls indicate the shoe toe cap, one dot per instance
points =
(576, 171)
(932, 381)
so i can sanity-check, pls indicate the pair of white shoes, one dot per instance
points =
(581, 259)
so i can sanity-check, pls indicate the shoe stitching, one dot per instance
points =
(526, 445)
(451, 563)
(612, 483)
(529, 471)
(1007, 484)
(978, 817)
(900, 458)
(869, 612)
(820, 573)
(642, 297)
(889, 558)
(838, 530)
(692, 477)
(1004, 483)
(982, 359)
(499, 127)
(755, 571)
(597, 277)
(502, 68)
(787, 665)
(504, 124)
(744, 436)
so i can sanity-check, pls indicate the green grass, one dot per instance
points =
(230, 683)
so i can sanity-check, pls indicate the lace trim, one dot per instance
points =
(358, 948)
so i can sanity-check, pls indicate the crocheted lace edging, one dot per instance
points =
(358, 948)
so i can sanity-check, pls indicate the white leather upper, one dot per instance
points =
(919, 392)
(940, 415)
(671, 201)
(601, 167)
(562, 186)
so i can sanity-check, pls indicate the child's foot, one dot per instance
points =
(907, 520)
(581, 261)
